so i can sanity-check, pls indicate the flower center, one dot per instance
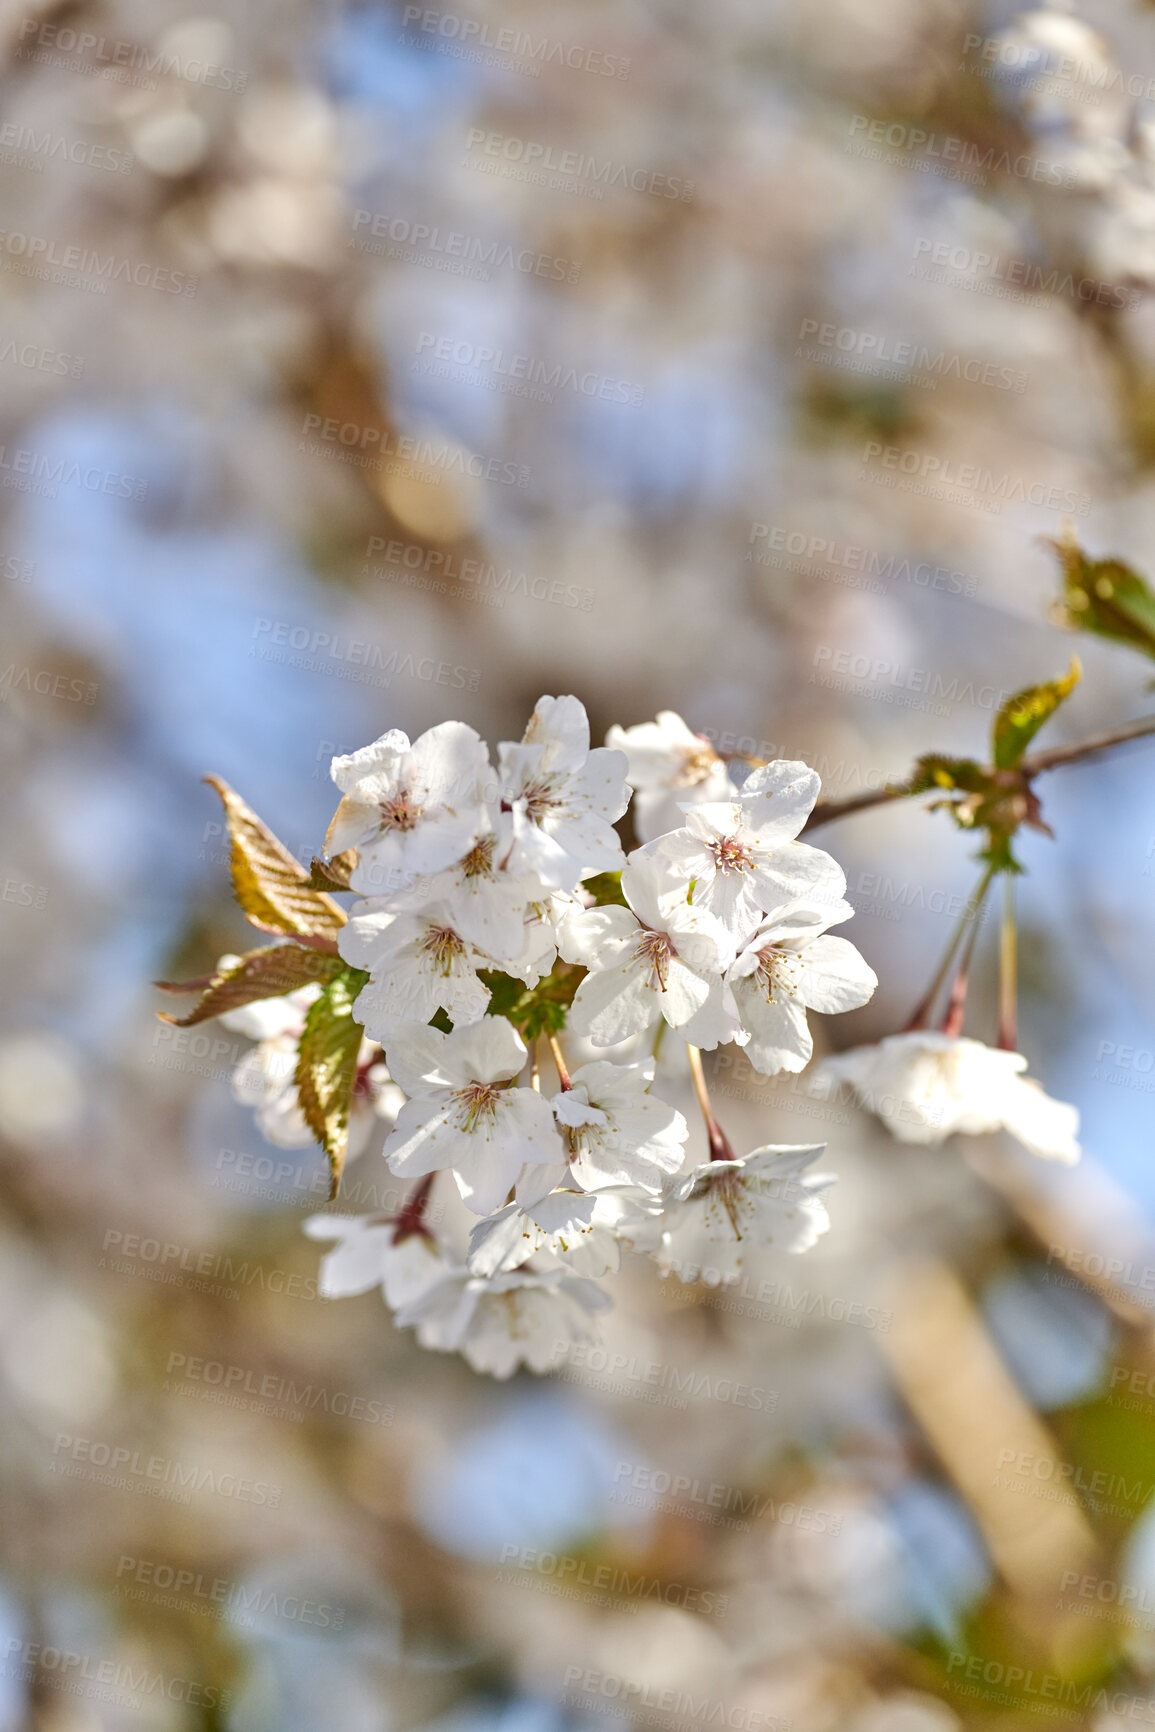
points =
(540, 799)
(696, 763)
(779, 971)
(399, 812)
(443, 946)
(730, 855)
(477, 1104)
(656, 949)
(478, 863)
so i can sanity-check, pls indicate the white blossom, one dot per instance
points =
(669, 768)
(501, 1322)
(368, 1254)
(789, 966)
(410, 808)
(722, 1210)
(741, 855)
(462, 1115)
(652, 959)
(559, 798)
(418, 964)
(582, 1230)
(926, 1086)
(488, 904)
(615, 1132)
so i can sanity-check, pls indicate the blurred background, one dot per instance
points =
(369, 364)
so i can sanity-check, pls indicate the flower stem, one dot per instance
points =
(563, 1075)
(411, 1217)
(534, 1068)
(971, 910)
(720, 1149)
(1008, 1039)
(952, 1022)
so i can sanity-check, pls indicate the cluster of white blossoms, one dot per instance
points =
(497, 911)
(473, 880)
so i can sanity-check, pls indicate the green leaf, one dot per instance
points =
(1022, 716)
(261, 974)
(606, 890)
(533, 1010)
(1106, 597)
(327, 1066)
(272, 887)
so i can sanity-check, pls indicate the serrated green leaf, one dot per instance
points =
(272, 887)
(1106, 597)
(327, 1067)
(1023, 715)
(260, 974)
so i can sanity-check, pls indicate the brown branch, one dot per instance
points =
(1033, 764)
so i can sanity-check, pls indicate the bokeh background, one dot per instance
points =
(368, 364)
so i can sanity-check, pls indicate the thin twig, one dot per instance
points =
(1033, 764)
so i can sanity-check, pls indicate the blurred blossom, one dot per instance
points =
(541, 1474)
(1055, 1339)
(42, 1090)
